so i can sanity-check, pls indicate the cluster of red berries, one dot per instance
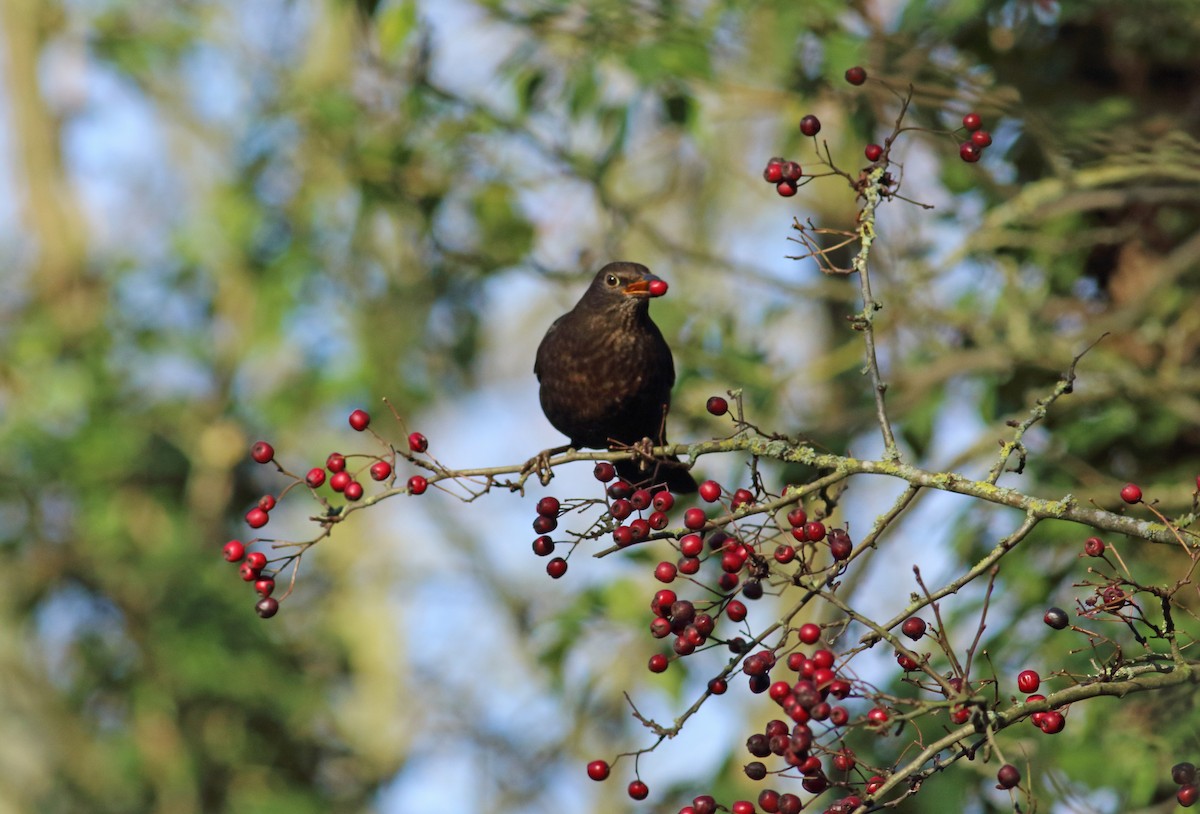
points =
(784, 174)
(1184, 776)
(340, 480)
(251, 570)
(979, 139)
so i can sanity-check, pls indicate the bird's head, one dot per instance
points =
(624, 285)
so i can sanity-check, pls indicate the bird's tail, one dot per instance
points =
(667, 471)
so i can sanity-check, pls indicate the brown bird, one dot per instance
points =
(606, 374)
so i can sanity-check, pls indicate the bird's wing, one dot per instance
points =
(543, 347)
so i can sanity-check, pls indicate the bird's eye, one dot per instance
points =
(611, 280)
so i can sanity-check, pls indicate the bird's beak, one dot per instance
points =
(641, 289)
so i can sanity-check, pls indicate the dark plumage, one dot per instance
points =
(606, 374)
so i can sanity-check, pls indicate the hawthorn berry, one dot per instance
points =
(380, 470)
(543, 546)
(548, 506)
(1052, 722)
(786, 189)
(417, 485)
(856, 75)
(1183, 773)
(658, 520)
(264, 586)
(704, 804)
(773, 172)
(873, 152)
(256, 518)
(694, 518)
(768, 801)
(878, 715)
(640, 499)
(1131, 493)
(417, 443)
(758, 772)
(972, 121)
(620, 509)
(262, 452)
(797, 517)
(742, 497)
(266, 502)
(360, 420)
(874, 783)
(1187, 795)
(556, 567)
(810, 125)
(690, 545)
(247, 573)
(267, 607)
(336, 462)
(969, 152)
(339, 480)
(981, 139)
(604, 472)
(256, 560)
(810, 633)
(663, 502)
(1008, 777)
(541, 523)
(789, 804)
(598, 770)
(784, 554)
(689, 565)
(719, 406)
(1093, 547)
(658, 663)
(619, 490)
(814, 530)
(913, 627)
(665, 572)
(315, 477)
(907, 663)
(717, 686)
(1056, 618)
(353, 490)
(792, 171)
(710, 491)
(1028, 681)
(638, 790)
(735, 610)
(844, 761)
(233, 551)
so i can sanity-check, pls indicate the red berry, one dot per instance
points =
(543, 546)
(745, 806)
(658, 520)
(353, 490)
(417, 442)
(856, 75)
(773, 172)
(735, 610)
(1028, 681)
(620, 509)
(266, 502)
(657, 288)
(619, 490)
(663, 502)
(717, 686)
(380, 470)
(1052, 722)
(786, 189)
(972, 121)
(315, 477)
(417, 485)
(810, 633)
(694, 518)
(541, 523)
(556, 567)
(264, 586)
(658, 663)
(719, 406)
(981, 139)
(1187, 795)
(710, 491)
(598, 770)
(267, 607)
(234, 551)
(548, 507)
(604, 472)
(969, 152)
(247, 573)
(768, 801)
(784, 554)
(810, 125)
(640, 499)
(335, 462)
(742, 497)
(913, 627)
(792, 171)
(359, 419)
(907, 663)
(665, 572)
(256, 560)
(873, 152)
(1131, 493)
(689, 566)
(960, 714)
(1183, 773)
(875, 782)
(340, 480)
(814, 530)
(878, 715)
(262, 452)
(690, 545)
(256, 518)
(797, 517)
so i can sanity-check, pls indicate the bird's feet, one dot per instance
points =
(540, 464)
